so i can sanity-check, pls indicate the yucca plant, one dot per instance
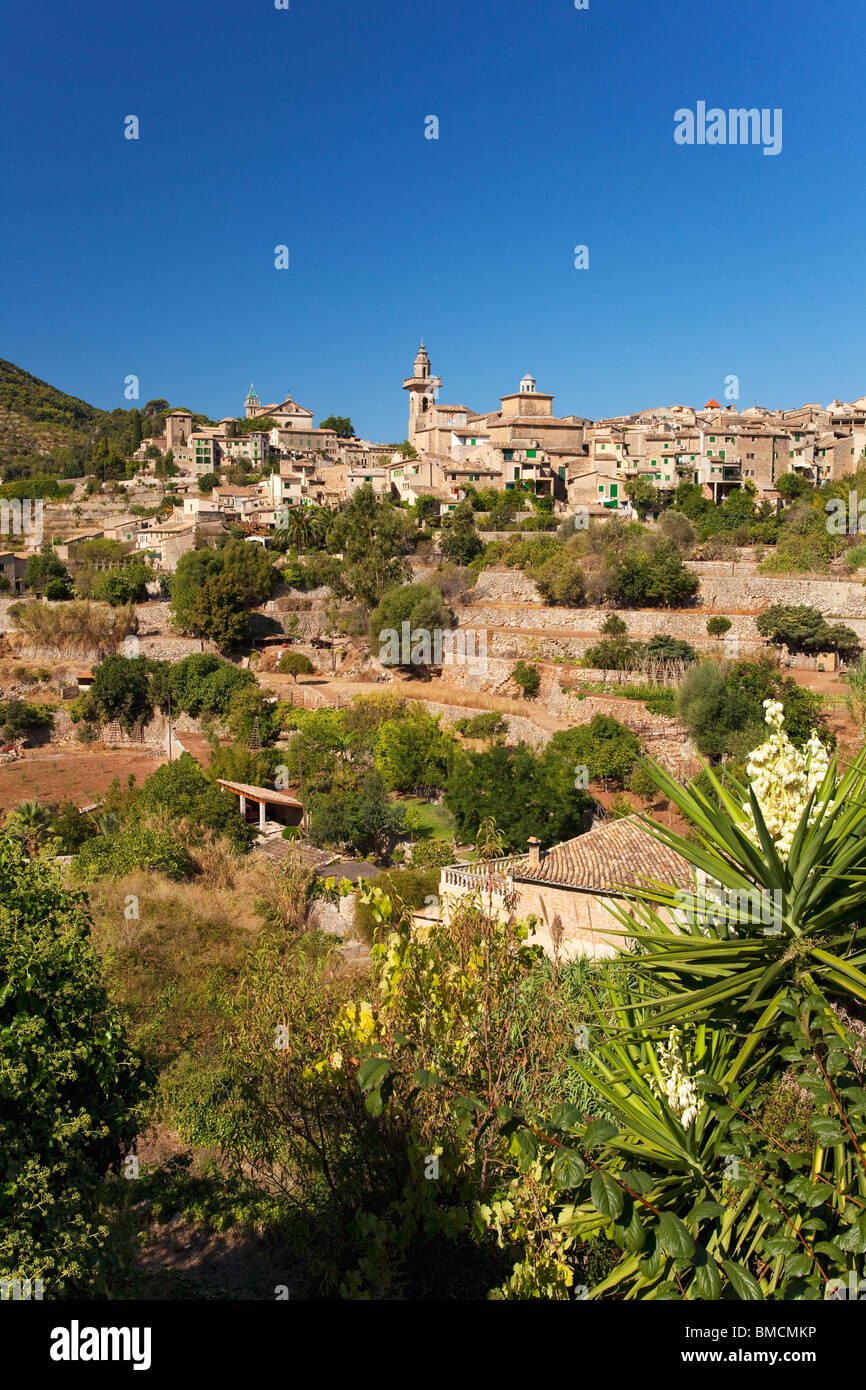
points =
(734, 964)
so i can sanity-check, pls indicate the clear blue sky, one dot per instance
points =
(306, 127)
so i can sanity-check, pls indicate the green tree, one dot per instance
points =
(801, 628)
(524, 795)
(123, 584)
(642, 494)
(373, 537)
(664, 648)
(181, 790)
(356, 814)
(340, 424)
(460, 541)
(121, 690)
(218, 611)
(21, 720)
(424, 609)
(606, 748)
(723, 707)
(71, 1086)
(414, 753)
(295, 664)
(718, 626)
(42, 568)
(792, 485)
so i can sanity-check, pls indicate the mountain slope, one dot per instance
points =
(44, 432)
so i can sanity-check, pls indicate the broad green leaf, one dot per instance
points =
(606, 1194)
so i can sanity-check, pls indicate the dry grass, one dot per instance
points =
(173, 953)
(69, 629)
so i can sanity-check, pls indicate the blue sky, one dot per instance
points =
(305, 127)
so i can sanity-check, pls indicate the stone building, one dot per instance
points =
(569, 889)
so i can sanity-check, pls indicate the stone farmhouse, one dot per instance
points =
(569, 889)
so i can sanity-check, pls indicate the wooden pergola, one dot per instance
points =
(262, 797)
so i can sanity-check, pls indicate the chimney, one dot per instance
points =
(535, 854)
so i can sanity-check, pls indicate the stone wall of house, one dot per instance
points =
(585, 926)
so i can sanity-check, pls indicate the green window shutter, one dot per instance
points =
(614, 489)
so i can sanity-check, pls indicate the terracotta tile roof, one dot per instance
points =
(620, 854)
(267, 794)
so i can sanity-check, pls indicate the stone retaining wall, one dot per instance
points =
(569, 622)
(720, 589)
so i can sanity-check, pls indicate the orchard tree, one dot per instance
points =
(295, 664)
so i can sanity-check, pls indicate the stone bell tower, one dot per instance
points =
(422, 388)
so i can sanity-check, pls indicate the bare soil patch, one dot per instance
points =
(82, 776)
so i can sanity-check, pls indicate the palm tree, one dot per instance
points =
(30, 823)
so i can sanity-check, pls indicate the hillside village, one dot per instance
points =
(530, 479)
(264, 681)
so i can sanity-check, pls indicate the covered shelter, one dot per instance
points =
(282, 806)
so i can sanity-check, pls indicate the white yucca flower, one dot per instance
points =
(676, 1087)
(783, 778)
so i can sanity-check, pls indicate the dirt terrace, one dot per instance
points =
(81, 776)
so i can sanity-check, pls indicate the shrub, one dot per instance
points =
(528, 678)
(70, 1084)
(75, 628)
(432, 854)
(718, 626)
(481, 725)
(151, 851)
